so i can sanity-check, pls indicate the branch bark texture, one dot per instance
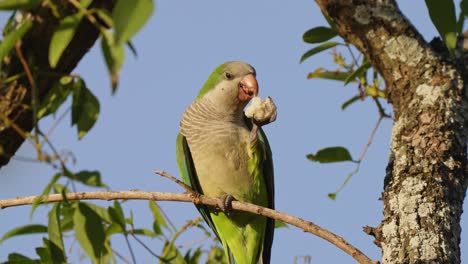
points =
(16, 97)
(199, 199)
(426, 177)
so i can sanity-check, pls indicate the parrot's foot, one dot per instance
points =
(226, 205)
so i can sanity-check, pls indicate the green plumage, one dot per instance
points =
(217, 157)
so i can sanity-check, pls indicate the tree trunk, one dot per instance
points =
(426, 178)
(16, 97)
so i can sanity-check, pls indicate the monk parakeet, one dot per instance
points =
(220, 155)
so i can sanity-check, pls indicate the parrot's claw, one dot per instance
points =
(226, 205)
(253, 132)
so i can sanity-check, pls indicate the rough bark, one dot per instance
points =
(15, 97)
(426, 177)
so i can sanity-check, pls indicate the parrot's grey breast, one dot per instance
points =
(219, 148)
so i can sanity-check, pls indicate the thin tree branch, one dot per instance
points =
(174, 179)
(121, 257)
(130, 248)
(370, 139)
(306, 226)
(145, 246)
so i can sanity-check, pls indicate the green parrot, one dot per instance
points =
(220, 155)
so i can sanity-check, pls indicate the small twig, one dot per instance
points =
(54, 150)
(370, 139)
(194, 242)
(201, 199)
(348, 177)
(166, 217)
(34, 93)
(352, 54)
(56, 123)
(15, 127)
(130, 248)
(361, 157)
(121, 257)
(188, 224)
(145, 246)
(381, 109)
(174, 179)
(88, 15)
(24, 159)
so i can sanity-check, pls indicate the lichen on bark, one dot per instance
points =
(426, 177)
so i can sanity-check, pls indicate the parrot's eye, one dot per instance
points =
(228, 75)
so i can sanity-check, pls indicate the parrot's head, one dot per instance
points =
(230, 87)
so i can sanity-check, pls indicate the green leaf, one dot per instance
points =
(24, 230)
(143, 232)
(464, 7)
(90, 178)
(129, 17)
(129, 220)
(52, 252)
(105, 17)
(60, 188)
(114, 228)
(66, 223)
(85, 108)
(46, 191)
(19, 4)
(318, 49)
(158, 217)
(330, 75)
(451, 40)
(44, 255)
(117, 215)
(350, 101)
(49, 186)
(374, 92)
(101, 211)
(319, 34)
(193, 258)
(280, 224)
(114, 57)
(358, 72)
(89, 232)
(54, 226)
(443, 17)
(55, 97)
(62, 36)
(84, 4)
(132, 49)
(10, 40)
(171, 255)
(332, 196)
(16, 258)
(331, 154)
(330, 21)
(216, 256)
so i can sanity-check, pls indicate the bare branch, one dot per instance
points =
(306, 226)
(174, 179)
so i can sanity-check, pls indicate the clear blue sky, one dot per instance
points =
(136, 130)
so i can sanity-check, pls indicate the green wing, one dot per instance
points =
(268, 178)
(189, 176)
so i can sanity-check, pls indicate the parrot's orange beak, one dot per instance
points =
(248, 88)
